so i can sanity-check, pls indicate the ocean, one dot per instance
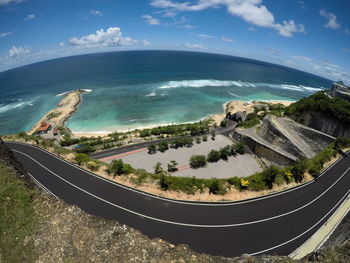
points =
(133, 89)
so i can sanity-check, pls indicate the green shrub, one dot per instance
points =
(223, 123)
(152, 148)
(216, 187)
(205, 138)
(197, 161)
(158, 169)
(269, 176)
(298, 170)
(213, 156)
(239, 148)
(118, 167)
(172, 166)
(163, 146)
(81, 158)
(198, 140)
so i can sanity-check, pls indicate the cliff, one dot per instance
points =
(8, 159)
(282, 141)
(324, 123)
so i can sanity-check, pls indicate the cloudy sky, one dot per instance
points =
(305, 34)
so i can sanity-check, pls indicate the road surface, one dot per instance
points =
(274, 224)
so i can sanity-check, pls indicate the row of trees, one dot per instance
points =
(178, 143)
(198, 161)
(193, 129)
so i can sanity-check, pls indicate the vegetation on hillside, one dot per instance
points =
(17, 218)
(336, 108)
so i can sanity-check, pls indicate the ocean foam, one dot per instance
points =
(199, 83)
(64, 93)
(14, 105)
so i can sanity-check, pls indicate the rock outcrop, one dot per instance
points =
(282, 141)
(323, 123)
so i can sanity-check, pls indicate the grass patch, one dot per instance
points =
(17, 218)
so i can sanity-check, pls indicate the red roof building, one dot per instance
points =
(44, 127)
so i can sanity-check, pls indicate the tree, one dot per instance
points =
(81, 158)
(92, 165)
(223, 123)
(158, 169)
(172, 166)
(213, 135)
(197, 161)
(298, 170)
(224, 153)
(269, 176)
(239, 148)
(198, 140)
(164, 182)
(118, 167)
(152, 148)
(163, 146)
(213, 156)
(204, 138)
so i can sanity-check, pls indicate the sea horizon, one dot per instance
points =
(133, 89)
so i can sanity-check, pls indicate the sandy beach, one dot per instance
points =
(231, 106)
(64, 109)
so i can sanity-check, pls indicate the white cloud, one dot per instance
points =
(111, 37)
(96, 13)
(29, 17)
(146, 42)
(151, 20)
(187, 26)
(227, 39)
(332, 19)
(6, 2)
(18, 51)
(61, 44)
(302, 4)
(5, 34)
(194, 46)
(252, 11)
(323, 68)
(204, 36)
(251, 28)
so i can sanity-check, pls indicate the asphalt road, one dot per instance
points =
(128, 148)
(275, 224)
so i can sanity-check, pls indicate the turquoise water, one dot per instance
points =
(143, 88)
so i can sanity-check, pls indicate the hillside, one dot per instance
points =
(322, 112)
(37, 227)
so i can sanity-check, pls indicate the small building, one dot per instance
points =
(55, 131)
(44, 127)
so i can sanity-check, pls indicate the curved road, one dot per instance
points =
(275, 224)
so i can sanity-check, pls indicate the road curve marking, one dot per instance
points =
(185, 202)
(303, 233)
(186, 224)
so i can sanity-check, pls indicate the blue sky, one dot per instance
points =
(305, 34)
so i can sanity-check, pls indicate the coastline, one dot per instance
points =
(63, 111)
(232, 106)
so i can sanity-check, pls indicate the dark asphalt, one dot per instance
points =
(277, 224)
(128, 148)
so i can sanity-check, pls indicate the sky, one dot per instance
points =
(309, 35)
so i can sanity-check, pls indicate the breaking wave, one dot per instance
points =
(228, 83)
(19, 104)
